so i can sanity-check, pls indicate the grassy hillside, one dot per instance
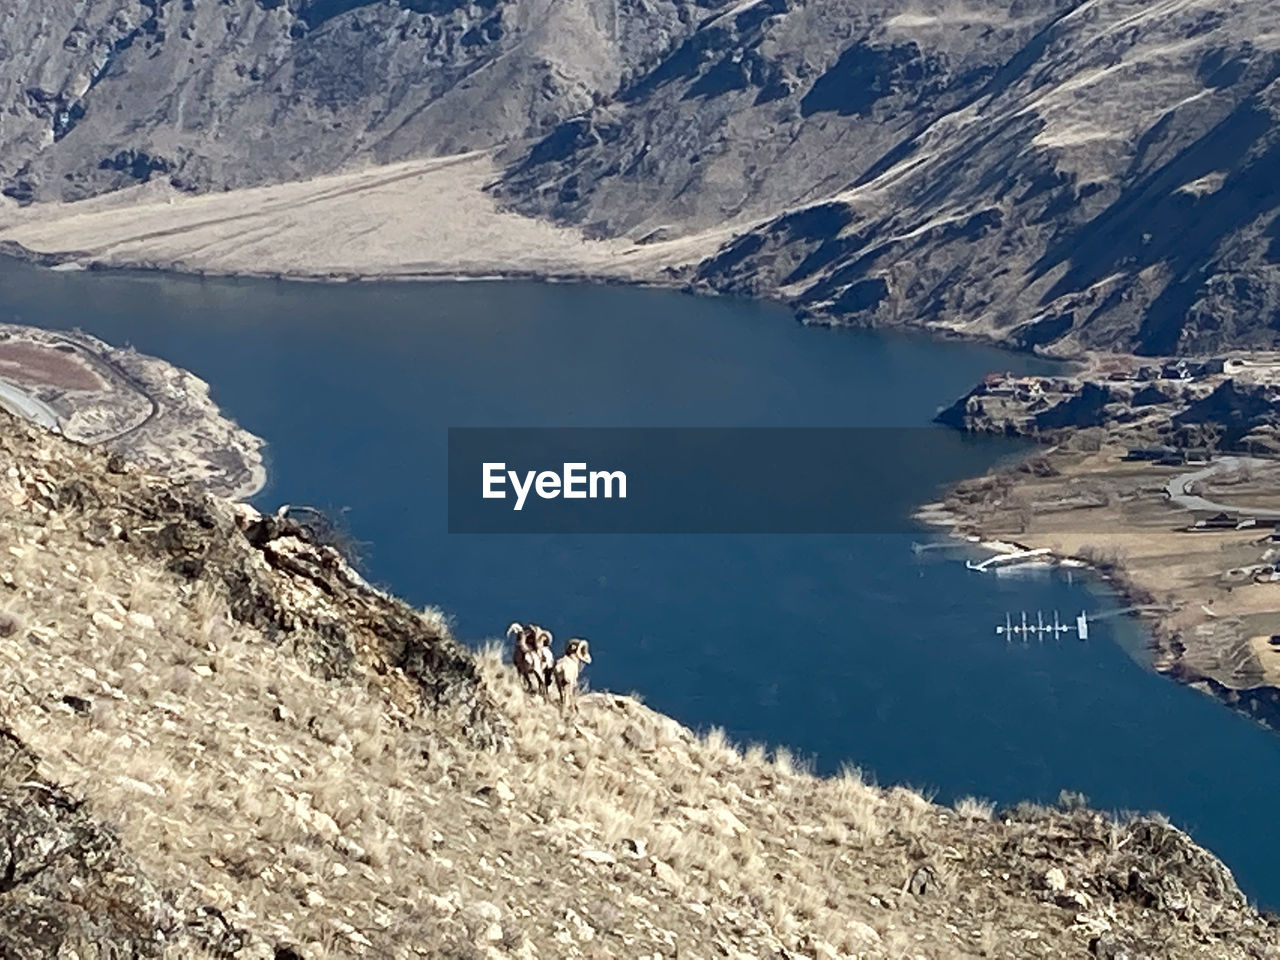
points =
(220, 741)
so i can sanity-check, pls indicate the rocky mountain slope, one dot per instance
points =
(1060, 174)
(1101, 172)
(1228, 410)
(217, 740)
(223, 93)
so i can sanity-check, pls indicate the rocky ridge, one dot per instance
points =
(214, 95)
(1229, 405)
(1070, 174)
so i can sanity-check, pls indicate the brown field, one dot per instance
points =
(44, 365)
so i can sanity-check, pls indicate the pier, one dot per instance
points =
(1025, 628)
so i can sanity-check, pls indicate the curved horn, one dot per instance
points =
(514, 630)
(584, 651)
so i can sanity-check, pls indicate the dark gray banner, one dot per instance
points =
(690, 480)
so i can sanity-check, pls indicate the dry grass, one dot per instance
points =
(418, 218)
(971, 808)
(293, 804)
(316, 813)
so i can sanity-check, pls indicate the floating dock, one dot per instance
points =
(1023, 627)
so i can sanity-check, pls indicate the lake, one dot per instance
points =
(847, 649)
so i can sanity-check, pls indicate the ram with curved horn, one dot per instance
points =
(526, 658)
(568, 669)
(547, 659)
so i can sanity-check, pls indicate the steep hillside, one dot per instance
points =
(223, 93)
(216, 740)
(1098, 171)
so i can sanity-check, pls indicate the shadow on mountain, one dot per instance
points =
(1157, 221)
(684, 64)
(866, 74)
(317, 12)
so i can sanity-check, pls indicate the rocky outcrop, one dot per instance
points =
(1229, 413)
(69, 889)
(1234, 412)
(273, 577)
(52, 849)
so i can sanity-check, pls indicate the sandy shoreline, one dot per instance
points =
(424, 219)
(254, 484)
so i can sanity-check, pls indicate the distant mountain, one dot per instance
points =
(100, 94)
(1100, 171)
(1055, 174)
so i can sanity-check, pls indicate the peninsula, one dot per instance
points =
(140, 408)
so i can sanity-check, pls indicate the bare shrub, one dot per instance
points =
(1070, 800)
(328, 530)
(439, 622)
(972, 808)
(1106, 559)
(1088, 440)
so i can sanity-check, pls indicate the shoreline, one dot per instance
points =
(424, 220)
(1163, 647)
(80, 261)
(1162, 641)
(133, 405)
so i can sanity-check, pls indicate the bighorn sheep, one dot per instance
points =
(569, 667)
(547, 658)
(527, 657)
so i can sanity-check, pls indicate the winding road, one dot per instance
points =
(1179, 489)
(112, 368)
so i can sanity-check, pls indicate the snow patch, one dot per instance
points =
(1210, 183)
(949, 16)
(905, 21)
(735, 10)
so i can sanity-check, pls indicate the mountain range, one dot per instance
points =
(1057, 175)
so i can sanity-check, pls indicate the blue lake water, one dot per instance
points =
(845, 648)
